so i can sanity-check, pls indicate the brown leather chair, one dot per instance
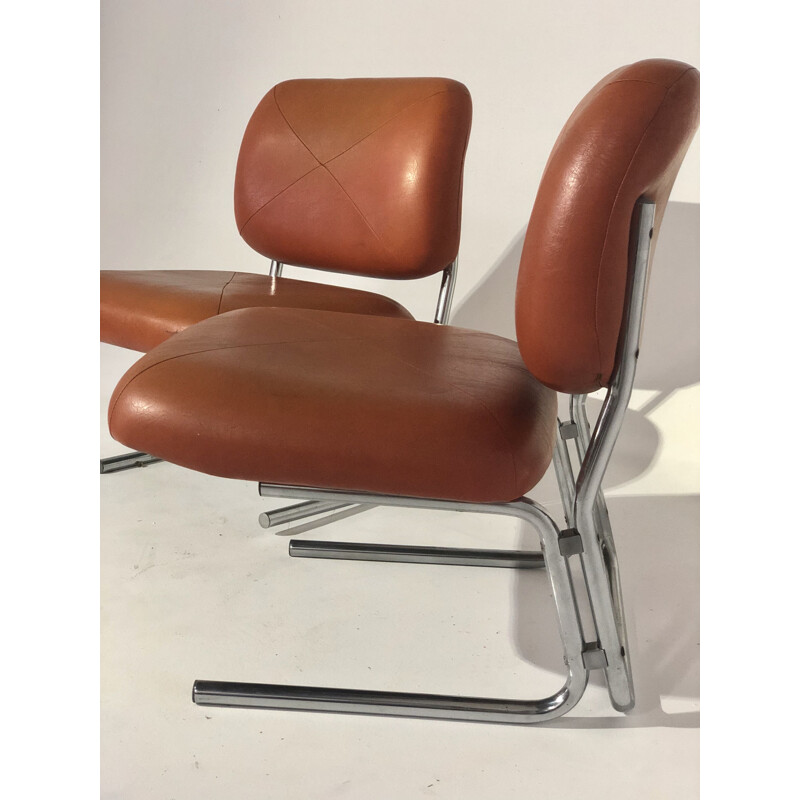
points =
(332, 406)
(359, 176)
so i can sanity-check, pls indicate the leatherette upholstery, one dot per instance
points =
(626, 140)
(360, 175)
(370, 403)
(345, 401)
(356, 175)
(140, 309)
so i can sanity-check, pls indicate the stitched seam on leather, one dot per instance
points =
(291, 128)
(275, 197)
(667, 90)
(219, 305)
(651, 83)
(313, 155)
(362, 215)
(391, 119)
(213, 349)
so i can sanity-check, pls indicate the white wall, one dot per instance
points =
(180, 79)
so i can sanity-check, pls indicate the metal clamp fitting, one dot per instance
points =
(568, 430)
(594, 657)
(569, 542)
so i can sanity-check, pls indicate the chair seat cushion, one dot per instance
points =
(342, 401)
(141, 308)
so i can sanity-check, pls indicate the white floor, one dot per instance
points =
(192, 588)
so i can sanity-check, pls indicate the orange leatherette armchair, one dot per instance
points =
(335, 406)
(358, 176)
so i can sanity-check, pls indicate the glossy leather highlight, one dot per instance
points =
(360, 175)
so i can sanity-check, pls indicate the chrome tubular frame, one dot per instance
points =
(479, 709)
(126, 461)
(407, 554)
(588, 534)
(309, 508)
(275, 269)
(599, 559)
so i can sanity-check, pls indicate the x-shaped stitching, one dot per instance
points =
(323, 165)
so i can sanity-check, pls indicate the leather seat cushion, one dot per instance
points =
(141, 308)
(342, 401)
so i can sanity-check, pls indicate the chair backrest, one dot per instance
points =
(361, 176)
(624, 142)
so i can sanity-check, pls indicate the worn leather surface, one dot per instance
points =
(360, 175)
(141, 308)
(626, 140)
(345, 401)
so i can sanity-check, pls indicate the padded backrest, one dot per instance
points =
(626, 140)
(360, 176)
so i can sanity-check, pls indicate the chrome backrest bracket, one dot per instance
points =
(609, 422)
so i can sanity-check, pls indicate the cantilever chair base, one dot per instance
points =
(580, 656)
(589, 536)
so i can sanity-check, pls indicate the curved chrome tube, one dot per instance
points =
(398, 704)
(599, 556)
(478, 709)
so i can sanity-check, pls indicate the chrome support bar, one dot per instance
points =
(275, 269)
(565, 479)
(309, 508)
(126, 461)
(444, 303)
(409, 554)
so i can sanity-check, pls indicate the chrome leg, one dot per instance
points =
(578, 654)
(309, 508)
(398, 704)
(513, 559)
(126, 461)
